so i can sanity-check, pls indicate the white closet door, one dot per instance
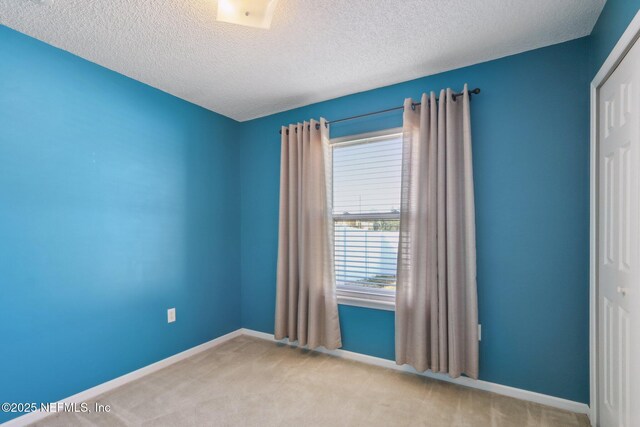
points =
(618, 240)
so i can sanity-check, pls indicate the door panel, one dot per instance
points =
(618, 240)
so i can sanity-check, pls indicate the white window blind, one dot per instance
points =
(366, 212)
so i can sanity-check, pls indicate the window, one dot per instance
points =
(366, 217)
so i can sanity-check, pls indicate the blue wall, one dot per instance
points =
(531, 148)
(117, 201)
(614, 19)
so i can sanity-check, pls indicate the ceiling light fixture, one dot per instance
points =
(251, 13)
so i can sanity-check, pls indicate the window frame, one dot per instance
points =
(380, 299)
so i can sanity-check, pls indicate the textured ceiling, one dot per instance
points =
(315, 50)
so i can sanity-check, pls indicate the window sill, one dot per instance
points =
(366, 300)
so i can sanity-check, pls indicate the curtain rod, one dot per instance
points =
(414, 104)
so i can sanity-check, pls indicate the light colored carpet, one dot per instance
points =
(253, 382)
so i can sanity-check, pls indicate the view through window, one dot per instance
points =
(366, 212)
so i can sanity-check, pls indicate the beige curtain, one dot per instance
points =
(436, 301)
(306, 305)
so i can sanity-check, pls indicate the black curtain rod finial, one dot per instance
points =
(471, 92)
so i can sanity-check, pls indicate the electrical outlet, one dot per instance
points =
(171, 315)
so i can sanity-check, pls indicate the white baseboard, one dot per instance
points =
(94, 392)
(531, 396)
(371, 360)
